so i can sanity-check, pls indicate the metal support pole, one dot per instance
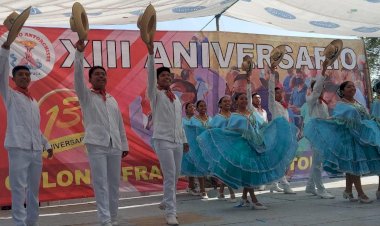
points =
(217, 17)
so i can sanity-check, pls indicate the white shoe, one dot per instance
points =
(325, 195)
(275, 187)
(364, 199)
(171, 220)
(258, 206)
(204, 195)
(311, 190)
(288, 190)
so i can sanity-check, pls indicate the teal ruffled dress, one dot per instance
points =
(188, 167)
(193, 162)
(218, 121)
(247, 154)
(349, 142)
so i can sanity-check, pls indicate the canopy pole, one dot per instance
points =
(217, 17)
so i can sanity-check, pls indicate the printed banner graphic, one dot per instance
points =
(205, 65)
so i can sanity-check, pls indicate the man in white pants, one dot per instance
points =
(317, 109)
(105, 137)
(23, 140)
(277, 107)
(169, 139)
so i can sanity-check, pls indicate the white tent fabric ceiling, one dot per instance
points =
(336, 17)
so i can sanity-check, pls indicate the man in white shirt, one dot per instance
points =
(317, 109)
(169, 139)
(278, 108)
(105, 137)
(24, 141)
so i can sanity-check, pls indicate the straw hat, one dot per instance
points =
(332, 51)
(147, 24)
(79, 21)
(247, 63)
(276, 55)
(14, 23)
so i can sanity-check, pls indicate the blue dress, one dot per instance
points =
(246, 154)
(349, 142)
(259, 119)
(187, 167)
(194, 156)
(218, 121)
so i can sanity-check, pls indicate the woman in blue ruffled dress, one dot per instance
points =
(349, 142)
(375, 113)
(187, 167)
(254, 102)
(197, 125)
(245, 155)
(220, 120)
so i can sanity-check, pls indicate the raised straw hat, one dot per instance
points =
(14, 23)
(332, 51)
(79, 21)
(277, 55)
(147, 24)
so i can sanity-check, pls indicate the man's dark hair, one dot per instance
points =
(91, 71)
(18, 68)
(255, 94)
(162, 69)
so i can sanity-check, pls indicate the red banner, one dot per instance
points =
(205, 68)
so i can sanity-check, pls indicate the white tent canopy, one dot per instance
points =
(336, 17)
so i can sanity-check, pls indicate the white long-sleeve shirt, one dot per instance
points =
(167, 115)
(275, 107)
(103, 121)
(262, 111)
(23, 114)
(317, 109)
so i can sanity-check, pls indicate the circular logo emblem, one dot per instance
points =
(324, 24)
(280, 13)
(34, 50)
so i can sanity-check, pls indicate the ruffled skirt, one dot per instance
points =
(193, 162)
(346, 146)
(242, 162)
